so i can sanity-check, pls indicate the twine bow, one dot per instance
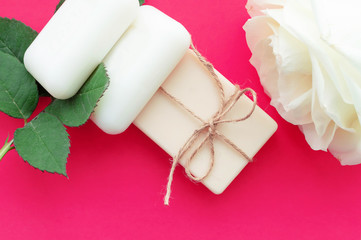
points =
(209, 127)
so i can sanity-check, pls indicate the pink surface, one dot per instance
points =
(116, 183)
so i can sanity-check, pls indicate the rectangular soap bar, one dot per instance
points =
(137, 65)
(170, 126)
(75, 41)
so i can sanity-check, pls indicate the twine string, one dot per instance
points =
(208, 127)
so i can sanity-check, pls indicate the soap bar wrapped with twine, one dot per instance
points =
(199, 115)
(209, 126)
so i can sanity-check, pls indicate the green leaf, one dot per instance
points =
(18, 91)
(141, 2)
(76, 111)
(59, 5)
(15, 37)
(44, 143)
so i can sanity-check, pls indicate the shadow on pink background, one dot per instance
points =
(116, 183)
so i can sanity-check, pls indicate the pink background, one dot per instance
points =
(116, 183)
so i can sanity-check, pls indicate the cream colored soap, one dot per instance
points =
(75, 41)
(137, 65)
(169, 126)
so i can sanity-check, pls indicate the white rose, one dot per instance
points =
(308, 56)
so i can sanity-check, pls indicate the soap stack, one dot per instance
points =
(143, 49)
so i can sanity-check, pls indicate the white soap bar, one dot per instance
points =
(75, 41)
(137, 65)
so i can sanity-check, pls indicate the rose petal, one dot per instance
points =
(338, 27)
(296, 112)
(328, 96)
(351, 75)
(295, 18)
(314, 140)
(346, 146)
(255, 7)
(257, 31)
(320, 118)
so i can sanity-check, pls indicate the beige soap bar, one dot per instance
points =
(170, 126)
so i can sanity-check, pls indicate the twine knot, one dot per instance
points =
(211, 127)
(208, 127)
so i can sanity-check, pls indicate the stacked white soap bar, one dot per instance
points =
(80, 36)
(137, 65)
(75, 41)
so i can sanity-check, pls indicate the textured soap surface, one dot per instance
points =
(169, 125)
(75, 41)
(137, 65)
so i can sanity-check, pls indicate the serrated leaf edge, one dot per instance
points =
(105, 89)
(68, 145)
(80, 94)
(20, 111)
(26, 26)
